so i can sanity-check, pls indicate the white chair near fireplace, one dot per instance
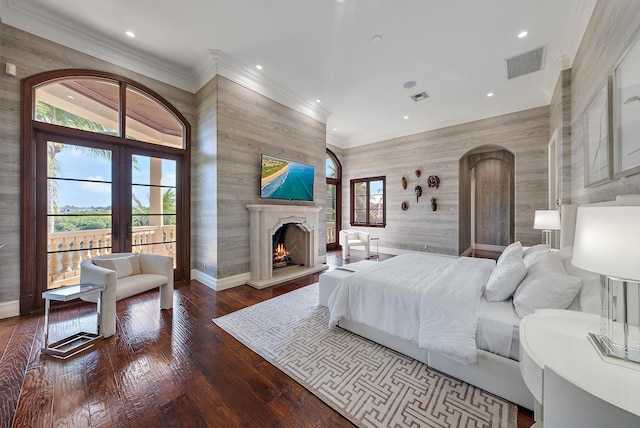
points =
(354, 238)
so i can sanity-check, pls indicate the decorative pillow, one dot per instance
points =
(505, 278)
(535, 253)
(124, 266)
(514, 249)
(589, 297)
(546, 286)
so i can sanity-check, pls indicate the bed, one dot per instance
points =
(461, 315)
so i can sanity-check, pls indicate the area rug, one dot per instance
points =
(367, 383)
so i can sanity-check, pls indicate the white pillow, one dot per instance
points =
(546, 286)
(535, 253)
(514, 249)
(124, 266)
(505, 278)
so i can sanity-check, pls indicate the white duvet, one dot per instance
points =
(430, 300)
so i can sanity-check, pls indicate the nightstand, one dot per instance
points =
(566, 374)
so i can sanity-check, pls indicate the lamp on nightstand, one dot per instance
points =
(547, 220)
(607, 242)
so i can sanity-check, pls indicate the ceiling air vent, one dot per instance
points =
(525, 63)
(419, 97)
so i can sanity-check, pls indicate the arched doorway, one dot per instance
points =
(105, 169)
(334, 199)
(487, 199)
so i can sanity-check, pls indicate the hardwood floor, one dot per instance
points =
(162, 368)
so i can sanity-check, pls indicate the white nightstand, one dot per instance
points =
(566, 374)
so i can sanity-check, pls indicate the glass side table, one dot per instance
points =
(377, 254)
(78, 342)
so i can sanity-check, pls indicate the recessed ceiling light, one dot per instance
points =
(409, 84)
(259, 67)
(70, 97)
(490, 94)
(335, 129)
(522, 34)
(376, 39)
(406, 117)
(318, 101)
(130, 34)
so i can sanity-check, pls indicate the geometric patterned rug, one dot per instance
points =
(367, 383)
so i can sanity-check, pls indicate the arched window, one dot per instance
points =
(105, 169)
(334, 199)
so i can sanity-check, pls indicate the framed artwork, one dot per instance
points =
(597, 138)
(626, 152)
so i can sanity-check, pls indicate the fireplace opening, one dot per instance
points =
(287, 248)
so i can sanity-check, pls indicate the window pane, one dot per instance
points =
(331, 171)
(87, 104)
(149, 121)
(78, 209)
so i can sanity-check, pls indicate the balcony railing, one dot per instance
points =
(331, 232)
(68, 249)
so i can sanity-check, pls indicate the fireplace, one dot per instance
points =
(279, 229)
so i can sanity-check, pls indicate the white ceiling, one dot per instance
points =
(322, 49)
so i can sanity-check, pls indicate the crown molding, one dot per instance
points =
(217, 62)
(26, 17)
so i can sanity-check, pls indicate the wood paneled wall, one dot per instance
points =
(525, 134)
(611, 31)
(31, 55)
(248, 125)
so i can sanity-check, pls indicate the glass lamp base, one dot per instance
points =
(614, 352)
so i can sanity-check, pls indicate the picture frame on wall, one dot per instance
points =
(597, 137)
(626, 150)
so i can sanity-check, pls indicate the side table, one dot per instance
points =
(567, 376)
(377, 254)
(78, 342)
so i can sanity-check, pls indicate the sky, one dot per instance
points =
(82, 165)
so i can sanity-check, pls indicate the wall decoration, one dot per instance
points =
(418, 172)
(597, 139)
(404, 183)
(626, 152)
(404, 205)
(418, 190)
(434, 204)
(433, 181)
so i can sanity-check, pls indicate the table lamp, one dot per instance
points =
(547, 220)
(607, 241)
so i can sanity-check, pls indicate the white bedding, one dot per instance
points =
(439, 295)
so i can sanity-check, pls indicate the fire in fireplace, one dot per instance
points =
(281, 256)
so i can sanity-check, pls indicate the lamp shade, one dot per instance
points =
(547, 220)
(607, 241)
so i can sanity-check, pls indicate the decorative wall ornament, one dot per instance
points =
(433, 181)
(597, 138)
(404, 183)
(626, 106)
(418, 172)
(418, 190)
(404, 205)
(434, 204)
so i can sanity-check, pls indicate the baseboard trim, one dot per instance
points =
(9, 309)
(220, 284)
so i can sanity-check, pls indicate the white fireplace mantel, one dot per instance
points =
(264, 221)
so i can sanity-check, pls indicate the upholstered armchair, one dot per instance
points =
(354, 238)
(126, 274)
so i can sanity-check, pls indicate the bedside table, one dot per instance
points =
(566, 374)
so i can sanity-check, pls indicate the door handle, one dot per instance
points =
(128, 230)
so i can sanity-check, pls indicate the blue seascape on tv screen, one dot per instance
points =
(283, 179)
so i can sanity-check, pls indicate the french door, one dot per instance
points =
(96, 198)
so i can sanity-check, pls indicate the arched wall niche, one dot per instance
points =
(487, 199)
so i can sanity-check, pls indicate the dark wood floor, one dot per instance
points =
(162, 368)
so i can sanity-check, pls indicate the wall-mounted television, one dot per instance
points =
(285, 179)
